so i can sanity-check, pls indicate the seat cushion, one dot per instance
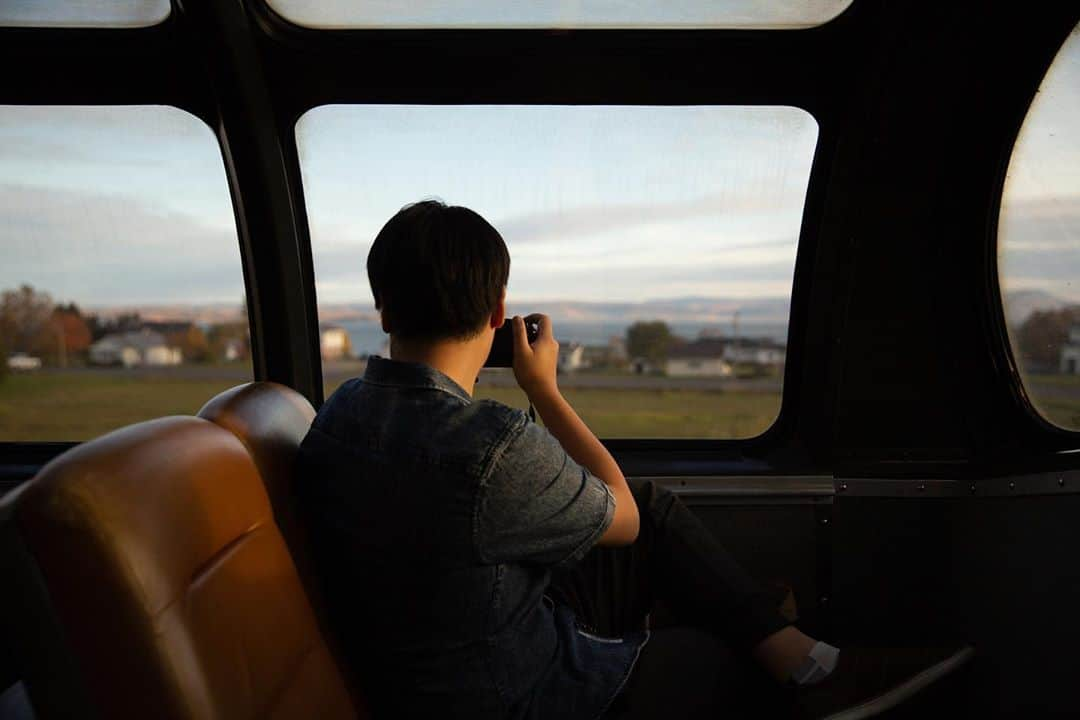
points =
(171, 581)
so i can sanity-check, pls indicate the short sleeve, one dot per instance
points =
(539, 506)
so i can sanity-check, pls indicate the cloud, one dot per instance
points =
(96, 248)
(599, 219)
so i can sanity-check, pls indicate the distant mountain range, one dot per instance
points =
(1019, 305)
(701, 310)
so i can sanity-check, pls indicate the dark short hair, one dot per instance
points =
(437, 271)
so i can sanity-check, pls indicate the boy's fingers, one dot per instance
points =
(521, 338)
(545, 326)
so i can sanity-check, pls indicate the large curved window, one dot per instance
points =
(755, 14)
(661, 240)
(1039, 243)
(121, 289)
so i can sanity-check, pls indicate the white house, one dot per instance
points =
(1070, 353)
(571, 356)
(754, 351)
(334, 343)
(131, 349)
(701, 358)
(22, 361)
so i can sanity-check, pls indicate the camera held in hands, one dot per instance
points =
(502, 348)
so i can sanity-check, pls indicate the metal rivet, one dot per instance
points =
(1012, 486)
(1061, 482)
(843, 487)
(823, 600)
(922, 487)
(824, 521)
(972, 488)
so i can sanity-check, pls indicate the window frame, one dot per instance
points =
(554, 44)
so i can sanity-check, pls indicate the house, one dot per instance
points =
(1070, 353)
(698, 358)
(754, 351)
(334, 342)
(571, 356)
(131, 349)
(233, 349)
(22, 361)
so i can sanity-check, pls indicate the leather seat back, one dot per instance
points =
(168, 582)
(271, 420)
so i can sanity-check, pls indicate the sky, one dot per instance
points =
(130, 206)
(595, 203)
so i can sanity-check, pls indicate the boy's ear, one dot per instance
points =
(498, 317)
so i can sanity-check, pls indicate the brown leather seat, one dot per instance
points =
(271, 420)
(151, 581)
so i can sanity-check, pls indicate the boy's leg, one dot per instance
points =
(687, 670)
(675, 560)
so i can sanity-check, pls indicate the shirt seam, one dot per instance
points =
(605, 522)
(419, 386)
(511, 430)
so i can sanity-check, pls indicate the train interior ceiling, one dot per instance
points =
(853, 357)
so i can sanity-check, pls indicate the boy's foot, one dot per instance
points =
(869, 681)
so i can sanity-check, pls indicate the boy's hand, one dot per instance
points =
(535, 365)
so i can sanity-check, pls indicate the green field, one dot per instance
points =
(662, 413)
(1059, 410)
(82, 405)
(78, 406)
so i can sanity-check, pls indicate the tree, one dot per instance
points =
(3, 358)
(1041, 337)
(649, 340)
(24, 320)
(232, 335)
(70, 333)
(192, 343)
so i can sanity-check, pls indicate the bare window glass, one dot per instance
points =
(121, 290)
(661, 240)
(757, 14)
(1039, 243)
(83, 13)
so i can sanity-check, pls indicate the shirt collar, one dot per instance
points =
(385, 371)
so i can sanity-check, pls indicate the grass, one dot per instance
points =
(1063, 412)
(1057, 397)
(76, 406)
(662, 413)
(79, 406)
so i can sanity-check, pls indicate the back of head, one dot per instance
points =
(437, 272)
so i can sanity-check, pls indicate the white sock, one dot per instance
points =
(817, 665)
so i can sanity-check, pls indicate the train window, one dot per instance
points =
(83, 13)
(1039, 243)
(344, 14)
(121, 289)
(661, 240)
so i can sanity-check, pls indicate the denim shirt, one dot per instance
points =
(435, 521)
